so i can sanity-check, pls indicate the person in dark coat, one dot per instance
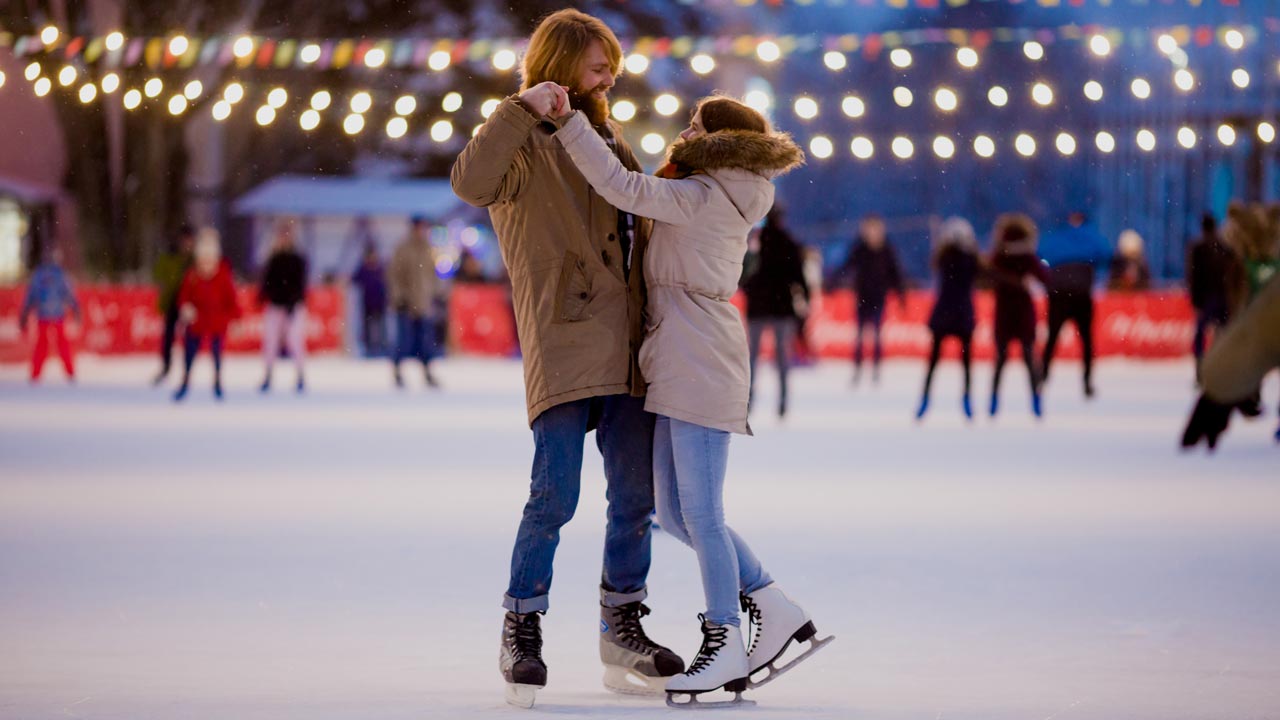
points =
(873, 267)
(168, 272)
(1073, 255)
(1214, 270)
(370, 279)
(283, 295)
(956, 261)
(1014, 266)
(772, 292)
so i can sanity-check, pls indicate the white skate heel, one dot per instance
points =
(778, 622)
(522, 695)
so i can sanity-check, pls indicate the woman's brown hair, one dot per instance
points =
(558, 45)
(725, 113)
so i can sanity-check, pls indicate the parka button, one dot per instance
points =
(604, 255)
(582, 295)
(613, 238)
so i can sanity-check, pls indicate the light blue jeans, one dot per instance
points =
(689, 464)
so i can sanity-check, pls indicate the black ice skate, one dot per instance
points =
(721, 664)
(520, 658)
(633, 664)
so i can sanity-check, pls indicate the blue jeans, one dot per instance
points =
(624, 435)
(415, 337)
(689, 464)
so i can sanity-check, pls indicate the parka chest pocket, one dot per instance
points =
(573, 292)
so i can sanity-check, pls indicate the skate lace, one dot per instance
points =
(629, 630)
(526, 637)
(713, 638)
(755, 618)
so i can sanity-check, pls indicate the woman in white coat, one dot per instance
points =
(715, 187)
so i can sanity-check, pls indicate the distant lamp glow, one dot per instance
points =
(758, 100)
(835, 60)
(66, 75)
(452, 102)
(1100, 45)
(439, 60)
(504, 60)
(1093, 90)
(653, 143)
(636, 64)
(406, 104)
(361, 102)
(901, 57)
(768, 51)
(310, 120)
(177, 104)
(821, 147)
(984, 146)
(321, 100)
(702, 63)
(114, 41)
(967, 57)
(49, 35)
(1233, 38)
(243, 47)
(32, 72)
(221, 110)
(1184, 80)
(943, 147)
(1167, 44)
(1025, 145)
(43, 86)
(88, 92)
(806, 108)
(1105, 142)
(862, 148)
(998, 96)
(110, 83)
(666, 104)
(2, 78)
(903, 148)
(1240, 77)
(903, 97)
(1266, 132)
(277, 98)
(265, 115)
(178, 45)
(1033, 50)
(441, 130)
(1146, 140)
(132, 99)
(1042, 94)
(153, 87)
(1226, 135)
(233, 93)
(353, 124)
(1141, 88)
(375, 58)
(1066, 144)
(853, 106)
(397, 127)
(1187, 137)
(309, 54)
(623, 110)
(946, 99)
(193, 90)
(488, 106)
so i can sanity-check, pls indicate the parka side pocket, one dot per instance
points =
(573, 292)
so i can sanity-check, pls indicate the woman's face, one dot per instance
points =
(695, 127)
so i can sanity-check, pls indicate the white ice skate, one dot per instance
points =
(778, 622)
(721, 664)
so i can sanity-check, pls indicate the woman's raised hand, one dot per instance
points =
(547, 99)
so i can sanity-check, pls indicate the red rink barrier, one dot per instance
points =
(119, 320)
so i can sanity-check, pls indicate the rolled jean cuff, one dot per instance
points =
(526, 605)
(611, 599)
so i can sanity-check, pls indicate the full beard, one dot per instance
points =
(595, 108)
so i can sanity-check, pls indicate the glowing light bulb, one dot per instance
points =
(177, 104)
(903, 148)
(114, 41)
(666, 104)
(309, 54)
(441, 130)
(375, 58)
(1025, 145)
(1233, 38)
(1141, 88)
(153, 87)
(943, 147)
(32, 72)
(353, 124)
(42, 86)
(853, 106)
(243, 47)
(1184, 80)
(901, 58)
(1226, 135)
(221, 110)
(1066, 144)
(1187, 137)
(1105, 142)
(984, 146)
(768, 51)
(233, 93)
(1240, 77)
(1266, 132)
(821, 147)
(835, 60)
(1100, 45)
(758, 100)
(623, 110)
(903, 97)
(1167, 44)
(862, 148)
(452, 102)
(1033, 50)
(310, 120)
(1093, 90)
(406, 104)
(806, 108)
(702, 64)
(277, 98)
(193, 90)
(636, 64)
(66, 75)
(504, 60)
(361, 102)
(1042, 94)
(653, 143)
(487, 108)
(49, 35)
(88, 92)
(110, 83)
(265, 115)
(397, 127)
(998, 96)
(132, 99)
(946, 99)
(439, 60)
(967, 57)
(178, 45)
(321, 100)
(1146, 140)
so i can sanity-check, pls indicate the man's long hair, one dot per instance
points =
(558, 45)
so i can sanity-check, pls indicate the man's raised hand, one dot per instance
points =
(546, 99)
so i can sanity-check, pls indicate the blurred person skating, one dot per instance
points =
(1254, 231)
(955, 258)
(577, 291)
(773, 291)
(715, 186)
(1214, 275)
(283, 295)
(414, 289)
(168, 272)
(50, 296)
(1129, 269)
(206, 305)
(1014, 266)
(1072, 255)
(370, 280)
(873, 268)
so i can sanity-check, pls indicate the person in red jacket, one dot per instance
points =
(206, 305)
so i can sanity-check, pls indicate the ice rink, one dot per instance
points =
(342, 555)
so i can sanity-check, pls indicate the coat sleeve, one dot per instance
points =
(494, 165)
(673, 201)
(1247, 351)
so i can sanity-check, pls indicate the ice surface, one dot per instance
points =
(342, 555)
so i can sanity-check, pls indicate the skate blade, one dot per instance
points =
(627, 681)
(521, 695)
(693, 703)
(775, 672)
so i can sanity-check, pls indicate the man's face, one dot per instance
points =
(591, 92)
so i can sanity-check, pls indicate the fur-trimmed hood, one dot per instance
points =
(768, 154)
